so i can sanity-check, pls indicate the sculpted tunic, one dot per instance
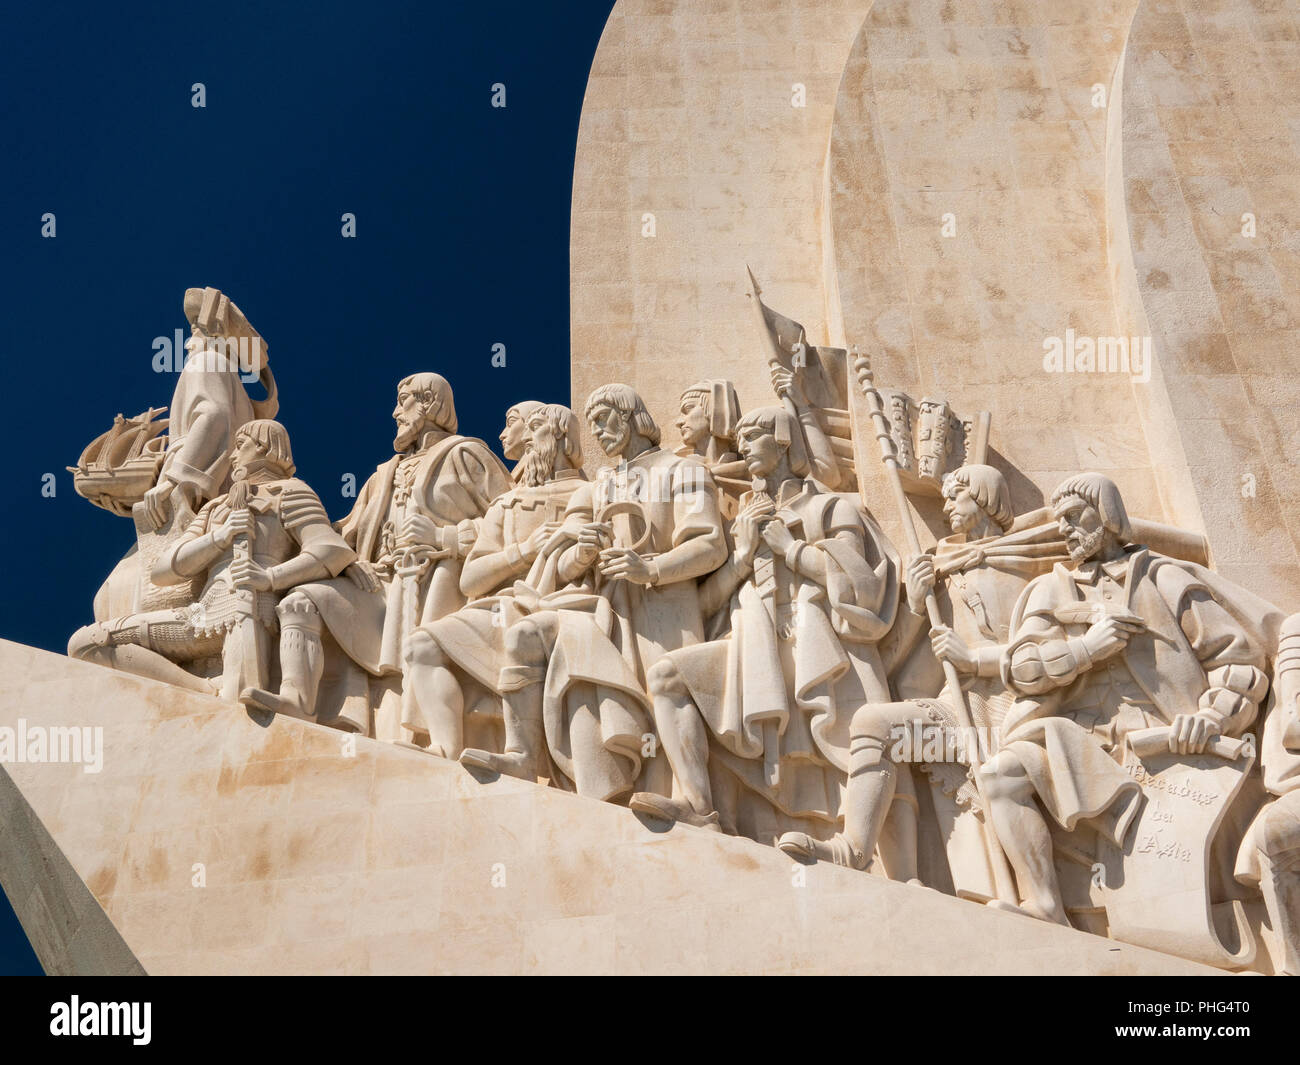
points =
(474, 636)
(780, 690)
(288, 517)
(451, 481)
(1076, 712)
(603, 635)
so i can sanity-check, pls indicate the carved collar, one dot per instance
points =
(1116, 570)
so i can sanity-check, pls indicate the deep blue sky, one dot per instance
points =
(381, 109)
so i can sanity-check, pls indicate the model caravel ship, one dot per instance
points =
(120, 466)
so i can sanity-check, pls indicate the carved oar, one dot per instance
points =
(1004, 882)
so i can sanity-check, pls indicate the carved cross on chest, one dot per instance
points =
(404, 481)
(552, 506)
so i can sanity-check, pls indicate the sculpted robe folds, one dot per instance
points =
(606, 633)
(208, 406)
(474, 636)
(780, 691)
(978, 585)
(1075, 712)
(452, 481)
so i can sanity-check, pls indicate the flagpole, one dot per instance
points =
(1003, 881)
(774, 349)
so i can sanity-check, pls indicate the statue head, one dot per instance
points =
(1090, 515)
(709, 411)
(261, 445)
(219, 329)
(424, 401)
(514, 437)
(768, 436)
(555, 435)
(975, 492)
(616, 414)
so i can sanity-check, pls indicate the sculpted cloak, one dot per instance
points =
(1191, 632)
(605, 634)
(451, 481)
(779, 692)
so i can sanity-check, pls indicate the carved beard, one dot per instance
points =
(539, 461)
(408, 437)
(1087, 546)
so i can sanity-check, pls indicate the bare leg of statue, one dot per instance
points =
(437, 699)
(1024, 835)
(685, 740)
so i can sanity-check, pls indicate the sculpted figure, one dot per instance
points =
(514, 437)
(809, 590)
(455, 662)
(412, 525)
(978, 573)
(823, 464)
(1269, 857)
(1120, 640)
(287, 538)
(209, 404)
(636, 541)
(709, 412)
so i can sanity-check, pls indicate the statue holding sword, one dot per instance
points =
(413, 523)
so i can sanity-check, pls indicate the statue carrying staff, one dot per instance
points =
(977, 575)
(952, 679)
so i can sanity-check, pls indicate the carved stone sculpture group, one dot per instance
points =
(1056, 713)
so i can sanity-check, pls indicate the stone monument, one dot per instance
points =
(969, 597)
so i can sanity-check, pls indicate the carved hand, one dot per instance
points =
(920, 582)
(590, 538)
(621, 563)
(950, 647)
(362, 574)
(462, 538)
(418, 531)
(748, 529)
(777, 537)
(786, 383)
(1110, 635)
(534, 544)
(248, 574)
(1189, 733)
(157, 503)
(240, 523)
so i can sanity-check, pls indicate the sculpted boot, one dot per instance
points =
(870, 794)
(301, 662)
(521, 709)
(666, 809)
